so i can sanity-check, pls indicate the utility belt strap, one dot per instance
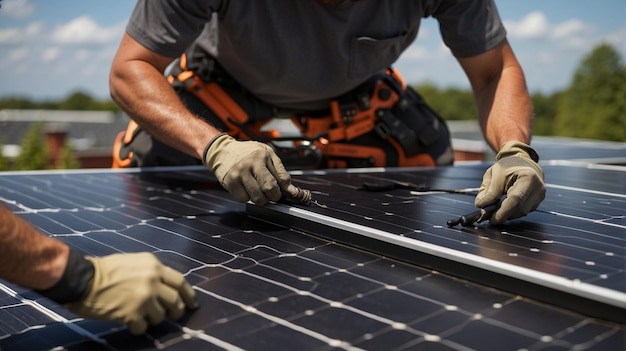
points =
(364, 110)
(220, 102)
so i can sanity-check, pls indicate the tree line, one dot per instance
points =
(78, 100)
(593, 106)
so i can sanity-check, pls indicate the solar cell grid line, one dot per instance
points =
(571, 251)
(261, 284)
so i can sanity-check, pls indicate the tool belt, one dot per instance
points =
(212, 101)
(381, 123)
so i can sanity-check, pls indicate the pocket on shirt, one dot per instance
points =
(370, 55)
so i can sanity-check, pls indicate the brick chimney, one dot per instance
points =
(55, 138)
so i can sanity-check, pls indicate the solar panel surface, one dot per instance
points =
(267, 284)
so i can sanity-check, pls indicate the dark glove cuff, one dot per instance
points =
(208, 146)
(75, 283)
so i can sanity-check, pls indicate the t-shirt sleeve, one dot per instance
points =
(469, 27)
(168, 27)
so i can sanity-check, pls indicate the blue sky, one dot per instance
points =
(49, 49)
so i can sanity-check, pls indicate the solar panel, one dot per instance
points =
(570, 251)
(301, 277)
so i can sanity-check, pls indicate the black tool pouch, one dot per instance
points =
(412, 124)
(417, 127)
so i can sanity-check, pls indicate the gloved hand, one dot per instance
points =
(249, 170)
(517, 174)
(136, 290)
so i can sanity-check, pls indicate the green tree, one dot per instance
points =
(545, 109)
(17, 103)
(67, 159)
(450, 103)
(34, 153)
(77, 101)
(4, 163)
(24, 103)
(594, 105)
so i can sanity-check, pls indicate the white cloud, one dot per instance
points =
(532, 26)
(549, 52)
(546, 57)
(422, 53)
(91, 70)
(535, 26)
(18, 54)
(33, 29)
(571, 28)
(84, 30)
(9, 35)
(617, 39)
(79, 51)
(81, 55)
(50, 54)
(578, 44)
(443, 50)
(425, 31)
(16, 8)
(416, 52)
(14, 35)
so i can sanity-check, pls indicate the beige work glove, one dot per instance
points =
(249, 170)
(516, 174)
(136, 290)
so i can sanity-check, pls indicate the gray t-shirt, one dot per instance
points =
(299, 54)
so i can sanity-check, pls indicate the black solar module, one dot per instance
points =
(377, 270)
(571, 251)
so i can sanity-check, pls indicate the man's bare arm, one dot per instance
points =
(137, 84)
(27, 257)
(505, 113)
(248, 170)
(134, 289)
(504, 106)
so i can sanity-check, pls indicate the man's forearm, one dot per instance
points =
(505, 109)
(27, 257)
(138, 86)
(504, 106)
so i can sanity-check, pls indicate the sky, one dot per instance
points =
(51, 49)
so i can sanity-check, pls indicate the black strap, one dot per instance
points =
(395, 128)
(75, 283)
